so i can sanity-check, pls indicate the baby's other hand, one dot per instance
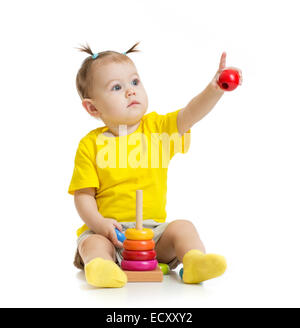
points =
(108, 230)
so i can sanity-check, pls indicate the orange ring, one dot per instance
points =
(134, 234)
(138, 245)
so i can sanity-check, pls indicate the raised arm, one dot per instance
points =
(203, 103)
(197, 108)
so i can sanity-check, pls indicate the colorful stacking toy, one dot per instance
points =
(139, 253)
(139, 257)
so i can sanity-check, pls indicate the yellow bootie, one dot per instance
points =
(198, 266)
(104, 273)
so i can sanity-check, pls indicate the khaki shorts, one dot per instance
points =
(158, 229)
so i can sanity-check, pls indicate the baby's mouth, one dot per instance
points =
(133, 103)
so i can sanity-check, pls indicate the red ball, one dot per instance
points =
(229, 79)
(139, 255)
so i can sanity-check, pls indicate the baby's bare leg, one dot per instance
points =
(99, 255)
(179, 237)
(96, 246)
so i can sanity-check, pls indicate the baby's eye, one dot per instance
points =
(118, 85)
(137, 81)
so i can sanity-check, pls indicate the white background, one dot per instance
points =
(239, 182)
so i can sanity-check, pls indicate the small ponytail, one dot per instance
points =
(86, 49)
(132, 49)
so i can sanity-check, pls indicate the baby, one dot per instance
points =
(132, 152)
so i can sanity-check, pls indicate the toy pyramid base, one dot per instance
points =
(144, 276)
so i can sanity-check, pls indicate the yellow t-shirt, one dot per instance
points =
(118, 166)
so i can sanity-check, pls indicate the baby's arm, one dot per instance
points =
(203, 103)
(198, 107)
(86, 206)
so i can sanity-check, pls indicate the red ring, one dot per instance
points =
(139, 245)
(139, 255)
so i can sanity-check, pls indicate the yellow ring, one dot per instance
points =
(134, 234)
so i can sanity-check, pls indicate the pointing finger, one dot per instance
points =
(222, 61)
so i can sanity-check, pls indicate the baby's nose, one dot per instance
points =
(130, 92)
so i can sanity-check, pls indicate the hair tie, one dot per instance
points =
(94, 56)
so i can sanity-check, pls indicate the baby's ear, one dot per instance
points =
(89, 107)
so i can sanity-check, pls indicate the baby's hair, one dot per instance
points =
(84, 75)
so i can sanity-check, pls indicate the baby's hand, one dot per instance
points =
(222, 66)
(108, 226)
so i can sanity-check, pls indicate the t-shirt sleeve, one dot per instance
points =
(168, 124)
(84, 174)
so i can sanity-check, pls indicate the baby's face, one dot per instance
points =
(115, 86)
